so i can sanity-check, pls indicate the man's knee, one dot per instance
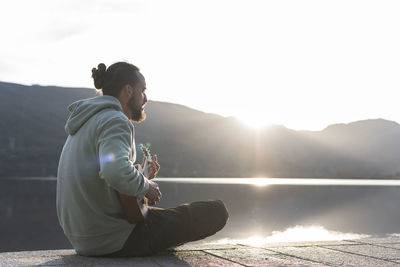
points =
(222, 214)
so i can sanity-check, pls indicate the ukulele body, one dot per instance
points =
(136, 209)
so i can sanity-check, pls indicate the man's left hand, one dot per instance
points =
(154, 167)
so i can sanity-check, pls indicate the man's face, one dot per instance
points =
(138, 100)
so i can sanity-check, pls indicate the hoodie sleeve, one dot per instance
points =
(116, 168)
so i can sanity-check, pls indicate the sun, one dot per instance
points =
(256, 122)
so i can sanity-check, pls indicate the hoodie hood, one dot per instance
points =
(83, 110)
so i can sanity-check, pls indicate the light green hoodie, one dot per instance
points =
(97, 161)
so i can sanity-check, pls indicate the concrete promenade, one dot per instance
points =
(363, 252)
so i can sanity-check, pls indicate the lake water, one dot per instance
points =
(261, 210)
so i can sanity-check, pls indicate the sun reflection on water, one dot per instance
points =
(284, 181)
(294, 234)
(259, 182)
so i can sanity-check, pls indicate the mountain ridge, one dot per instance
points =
(195, 143)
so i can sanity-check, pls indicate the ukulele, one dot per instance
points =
(135, 208)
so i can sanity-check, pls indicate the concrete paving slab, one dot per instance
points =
(378, 240)
(197, 258)
(32, 261)
(38, 253)
(369, 250)
(259, 257)
(282, 260)
(76, 260)
(203, 246)
(170, 259)
(308, 243)
(331, 257)
(246, 256)
(37, 258)
(389, 245)
(291, 254)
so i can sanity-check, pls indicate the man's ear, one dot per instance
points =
(130, 89)
(127, 90)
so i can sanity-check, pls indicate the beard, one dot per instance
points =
(137, 112)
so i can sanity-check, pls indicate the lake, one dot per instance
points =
(261, 210)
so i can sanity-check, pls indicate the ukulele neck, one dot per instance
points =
(147, 157)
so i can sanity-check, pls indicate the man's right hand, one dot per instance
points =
(153, 194)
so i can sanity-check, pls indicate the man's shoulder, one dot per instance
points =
(111, 116)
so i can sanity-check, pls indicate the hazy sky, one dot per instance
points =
(303, 64)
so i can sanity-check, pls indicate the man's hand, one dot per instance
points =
(154, 167)
(153, 194)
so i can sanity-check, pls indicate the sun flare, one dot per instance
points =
(298, 233)
(254, 122)
(260, 182)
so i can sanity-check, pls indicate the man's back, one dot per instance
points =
(88, 206)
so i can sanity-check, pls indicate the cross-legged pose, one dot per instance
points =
(100, 189)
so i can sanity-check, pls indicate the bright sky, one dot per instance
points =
(302, 64)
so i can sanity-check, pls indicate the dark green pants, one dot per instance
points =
(164, 228)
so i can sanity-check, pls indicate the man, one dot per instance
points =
(96, 169)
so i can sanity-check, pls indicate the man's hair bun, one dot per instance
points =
(111, 80)
(98, 75)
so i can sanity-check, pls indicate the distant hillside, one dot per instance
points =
(194, 143)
